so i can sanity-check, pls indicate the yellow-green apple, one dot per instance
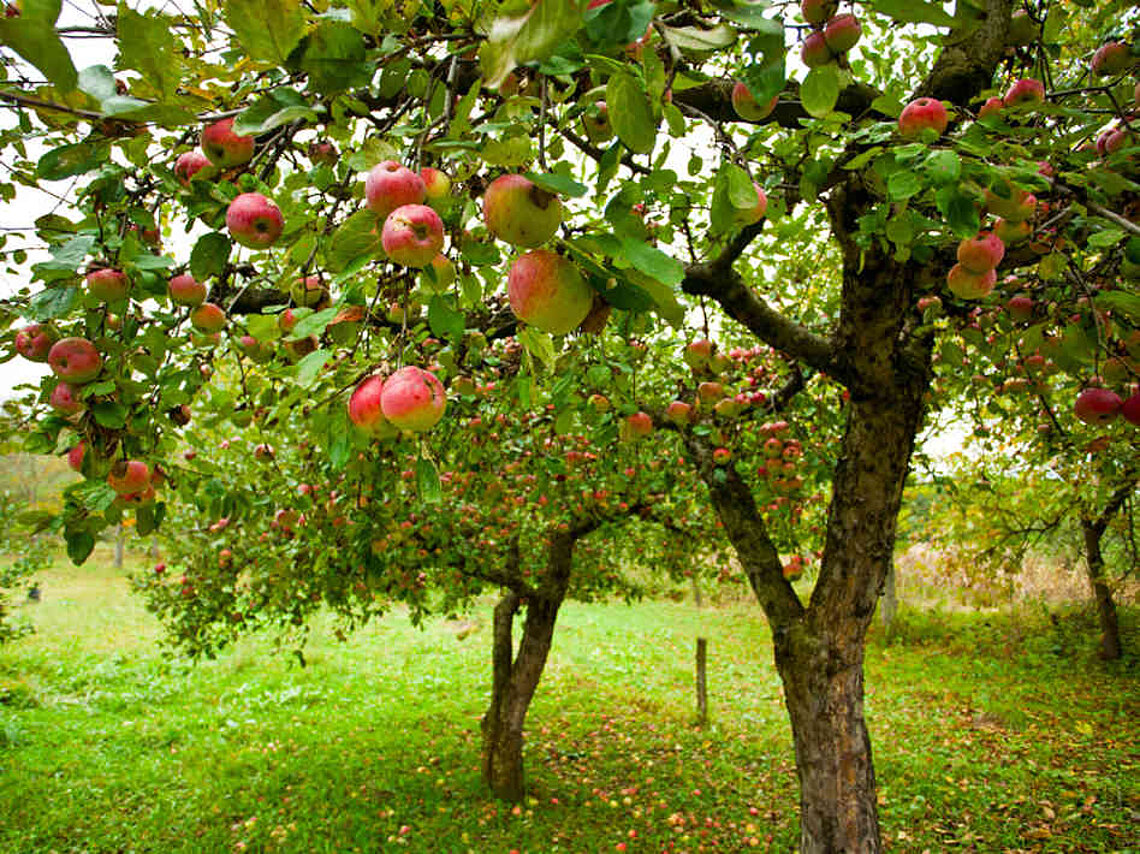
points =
(34, 342)
(65, 399)
(746, 107)
(439, 275)
(1111, 59)
(967, 285)
(189, 164)
(108, 285)
(403, 312)
(818, 11)
(1010, 232)
(981, 253)
(697, 354)
(599, 403)
(710, 392)
(547, 291)
(679, 412)
(413, 399)
(390, 185)
(1023, 29)
(748, 216)
(596, 123)
(1097, 406)
(921, 115)
(75, 360)
(184, 289)
(129, 476)
(842, 33)
(636, 426)
(308, 291)
(815, 52)
(437, 186)
(412, 235)
(254, 221)
(520, 212)
(208, 318)
(223, 147)
(1010, 202)
(1024, 92)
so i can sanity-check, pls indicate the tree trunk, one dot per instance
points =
(119, 541)
(514, 681)
(1110, 648)
(889, 603)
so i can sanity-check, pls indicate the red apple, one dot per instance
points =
(815, 52)
(65, 399)
(308, 291)
(413, 399)
(323, 153)
(679, 412)
(842, 33)
(189, 164)
(982, 253)
(746, 107)
(697, 354)
(636, 426)
(75, 360)
(390, 185)
(75, 456)
(412, 235)
(722, 456)
(1020, 308)
(1025, 92)
(108, 285)
(992, 107)
(818, 11)
(223, 147)
(520, 212)
(1130, 409)
(184, 289)
(208, 318)
(1111, 59)
(129, 476)
(547, 291)
(1111, 141)
(1098, 406)
(254, 221)
(921, 115)
(34, 342)
(967, 285)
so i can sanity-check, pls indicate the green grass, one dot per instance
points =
(992, 733)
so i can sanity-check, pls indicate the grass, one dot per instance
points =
(992, 733)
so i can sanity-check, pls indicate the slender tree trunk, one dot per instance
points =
(119, 541)
(1106, 609)
(889, 603)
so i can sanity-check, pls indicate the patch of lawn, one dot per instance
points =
(992, 733)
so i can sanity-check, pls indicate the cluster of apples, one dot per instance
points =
(74, 360)
(832, 34)
(412, 232)
(1100, 406)
(411, 399)
(975, 274)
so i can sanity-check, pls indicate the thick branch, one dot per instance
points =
(966, 65)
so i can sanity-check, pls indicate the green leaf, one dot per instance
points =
(614, 25)
(765, 81)
(533, 36)
(69, 160)
(65, 259)
(653, 262)
(335, 58)
(314, 324)
(279, 107)
(903, 184)
(749, 14)
(1120, 302)
(311, 366)
(960, 210)
(539, 344)
(943, 167)
(445, 322)
(357, 238)
(51, 303)
(148, 517)
(558, 183)
(111, 415)
(631, 113)
(209, 255)
(427, 481)
(80, 544)
(820, 90)
(263, 327)
(694, 40)
(146, 43)
(913, 12)
(98, 82)
(32, 35)
(663, 297)
(267, 29)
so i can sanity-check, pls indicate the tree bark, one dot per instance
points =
(889, 603)
(1105, 607)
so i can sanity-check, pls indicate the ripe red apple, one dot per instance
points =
(746, 107)
(129, 476)
(1111, 59)
(108, 285)
(842, 33)
(1130, 409)
(390, 185)
(992, 107)
(679, 412)
(818, 11)
(596, 123)
(967, 285)
(223, 147)
(65, 399)
(1111, 141)
(308, 291)
(921, 115)
(748, 216)
(1024, 92)
(323, 153)
(184, 289)
(722, 456)
(75, 360)
(413, 399)
(189, 164)
(982, 253)
(1098, 406)
(815, 52)
(437, 185)
(75, 456)
(34, 342)
(697, 354)
(412, 235)
(1020, 308)
(208, 318)
(520, 212)
(364, 405)
(254, 221)
(636, 426)
(547, 291)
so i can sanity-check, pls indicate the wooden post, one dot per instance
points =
(702, 683)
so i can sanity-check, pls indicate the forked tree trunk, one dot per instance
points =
(515, 677)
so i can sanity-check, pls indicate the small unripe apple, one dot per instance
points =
(1111, 59)
(1098, 406)
(746, 107)
(129, 476)
(981, 253)
(413, 399)
(308, 291)
(921, 115)
(75, 360)
(547, 291)
(254, 221)
(208, 318)
(520, 212)
(189, 164)
(223, 147)
(34, 342)
(967, 285)
(323, 153)
(65, 399)
(818, 11)
(596, 123)
(842, 33)
(108, 285)
(815, 52)
(1012, 232)
(391, 185)
(184, 289)
(439, 275)
(412, 235)
(1024, 92)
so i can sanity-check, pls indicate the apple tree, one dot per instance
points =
(817, 178)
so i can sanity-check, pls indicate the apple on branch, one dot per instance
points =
(75, 360)
(224, 148)
(413, 399)
(254, 221)
(547, 291)
(390, 185)
(520, 212)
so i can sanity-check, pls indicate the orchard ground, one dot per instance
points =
(996, 732)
